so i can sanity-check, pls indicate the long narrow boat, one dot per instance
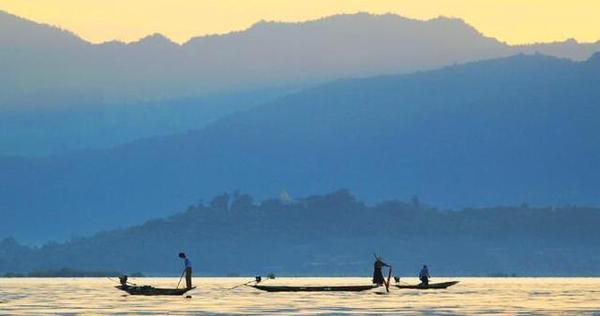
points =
(334, 288)
(150, 290)
(432, 286)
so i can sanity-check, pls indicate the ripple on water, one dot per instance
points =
(526, 296)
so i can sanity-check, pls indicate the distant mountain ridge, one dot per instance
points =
(46, 61)
(104, 85)
(497, 132)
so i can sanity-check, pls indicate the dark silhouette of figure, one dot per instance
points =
(424, 275)
(123, 281)
(377, 274)
(187, 269)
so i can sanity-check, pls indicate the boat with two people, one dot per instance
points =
(378, 281)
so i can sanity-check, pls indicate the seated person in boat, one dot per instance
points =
(377, 274)
(187, 269)
(123, 281)
(424, 275)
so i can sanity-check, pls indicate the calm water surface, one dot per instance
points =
(491, 296)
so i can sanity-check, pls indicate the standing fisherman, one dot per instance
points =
(377, 274)
(424, 275)
(187, 269)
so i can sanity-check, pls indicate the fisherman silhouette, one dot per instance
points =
(424, 275)
(377, 274)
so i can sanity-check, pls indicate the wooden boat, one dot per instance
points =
(432, 286)
(150, 290)
(334, 288)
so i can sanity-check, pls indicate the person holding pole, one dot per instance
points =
(377, 273)
(187, 270)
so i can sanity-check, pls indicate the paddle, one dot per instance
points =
(235, 287)
(114, 280)
(182, 273)
(257, 279)
(387, 284)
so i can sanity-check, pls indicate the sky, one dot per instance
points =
(512, 21)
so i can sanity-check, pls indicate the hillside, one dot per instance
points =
(506, 131)
(89, 93)
(333, 234)
(75, 124)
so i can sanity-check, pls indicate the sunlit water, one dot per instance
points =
(561, 296)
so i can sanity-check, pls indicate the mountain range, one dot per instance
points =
(42, 60)
(74, 81)
(496, 132)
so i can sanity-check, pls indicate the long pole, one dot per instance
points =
(387, 284)
(235, 287)
(182, 273)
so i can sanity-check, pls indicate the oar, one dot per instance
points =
(235, 287)
(114, 280)
(182, 273)
(257, 279)
(387, 284)
(120, 281)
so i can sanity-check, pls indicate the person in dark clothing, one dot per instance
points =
(424, 275)
(377, 274)
(187, 269)
(123, 281)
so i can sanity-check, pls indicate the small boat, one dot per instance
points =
(150, 290)
(334, 288)
(432, 286)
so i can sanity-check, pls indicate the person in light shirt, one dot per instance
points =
(187, 269)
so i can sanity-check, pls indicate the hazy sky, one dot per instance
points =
(513, 21)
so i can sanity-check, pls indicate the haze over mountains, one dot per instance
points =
(45, 67)
(505, 131)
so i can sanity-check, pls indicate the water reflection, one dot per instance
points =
(472, 296)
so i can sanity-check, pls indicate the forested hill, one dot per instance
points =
(333, 234)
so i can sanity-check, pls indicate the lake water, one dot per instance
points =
(492, 296)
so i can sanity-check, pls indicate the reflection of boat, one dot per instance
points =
(334, 288)
(150, 290)
(441, 285)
